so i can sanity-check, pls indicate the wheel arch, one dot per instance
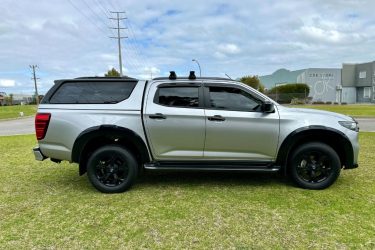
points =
(330, 136)
(92, 138)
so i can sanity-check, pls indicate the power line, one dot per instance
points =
(33, 67)
(90, 18)
(105, 11)
(132, 45)
(112, 6)
(87, 17)
(134, 42)
(133, 58)
(118, 37)
(96, 14)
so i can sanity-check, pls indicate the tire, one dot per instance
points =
(314, 165)
(112, 169)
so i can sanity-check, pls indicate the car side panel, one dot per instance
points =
(178, 137)
(249, 136)
(69, 120)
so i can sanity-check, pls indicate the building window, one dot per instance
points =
(366, 92)
(373, 91)
(362, 74)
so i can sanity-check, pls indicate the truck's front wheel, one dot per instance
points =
(112, 169)
(314, 165)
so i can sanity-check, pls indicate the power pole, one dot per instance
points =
(118, 37)
(33, 67)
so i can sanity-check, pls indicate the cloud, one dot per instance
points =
(149, 72)
(327, 32)
(67, 42)
(7, 83)
(229, 48)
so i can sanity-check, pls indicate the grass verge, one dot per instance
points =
(351, 110)
(45, 205)
(9, 112)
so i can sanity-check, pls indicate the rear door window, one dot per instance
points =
(178, 97)
(95, 92)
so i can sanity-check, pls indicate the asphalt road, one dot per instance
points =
(20, 126)
(26, 126)
(366, 124)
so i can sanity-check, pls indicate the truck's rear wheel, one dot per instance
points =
(112, 169)
(314, 165)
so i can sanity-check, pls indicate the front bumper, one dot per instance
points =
(38, 154)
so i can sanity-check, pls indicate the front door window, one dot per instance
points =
(234, 99)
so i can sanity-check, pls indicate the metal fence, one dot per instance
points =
(287, 98)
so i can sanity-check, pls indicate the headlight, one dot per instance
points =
(352, 125)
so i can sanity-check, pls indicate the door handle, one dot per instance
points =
(158, 116)
(216, 118)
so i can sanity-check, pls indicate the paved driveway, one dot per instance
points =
(26, 126)
(366, 124)
(17, 127)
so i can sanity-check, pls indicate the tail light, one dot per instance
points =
(41, 124)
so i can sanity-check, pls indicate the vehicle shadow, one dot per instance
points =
(180, 179)
(212, 178)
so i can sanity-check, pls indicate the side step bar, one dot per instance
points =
(211, 167)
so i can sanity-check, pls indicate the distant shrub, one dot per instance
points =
(287, 92)
(318, 102)
(328, 102)
(335, 103)
(297, 101)
(344, 103)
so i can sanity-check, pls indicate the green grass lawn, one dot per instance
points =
(7, 112)
(46, 205)
(352, 110)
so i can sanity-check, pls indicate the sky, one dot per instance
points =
(70, 38)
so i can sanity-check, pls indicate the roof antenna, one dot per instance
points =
(228, 76)
(192, 75)
(172, 75)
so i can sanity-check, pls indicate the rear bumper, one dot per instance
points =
(38, 154)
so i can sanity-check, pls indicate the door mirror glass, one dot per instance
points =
(268, 107)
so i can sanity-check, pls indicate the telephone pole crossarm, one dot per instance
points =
(120, 18)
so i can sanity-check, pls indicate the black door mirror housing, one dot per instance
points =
(268, 107)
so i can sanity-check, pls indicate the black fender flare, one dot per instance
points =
(111, 132)
(318, 133)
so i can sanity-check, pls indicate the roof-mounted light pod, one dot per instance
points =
(172, 75)
(192, 75)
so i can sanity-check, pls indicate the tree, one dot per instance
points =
(253, 81)
(9, 100)
(112, 73)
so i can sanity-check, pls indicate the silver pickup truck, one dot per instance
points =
(116, 127)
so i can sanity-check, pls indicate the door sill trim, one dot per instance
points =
(213, 166)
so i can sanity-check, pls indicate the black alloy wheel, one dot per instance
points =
(112, 169)
(315, 166)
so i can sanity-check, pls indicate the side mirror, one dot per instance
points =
(268, 107)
